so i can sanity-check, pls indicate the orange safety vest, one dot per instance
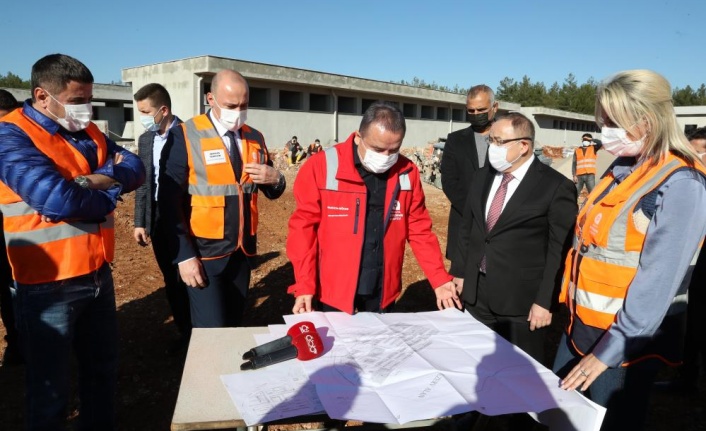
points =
(586, 163)
(42, 252)
(608, 240)
(214, 190)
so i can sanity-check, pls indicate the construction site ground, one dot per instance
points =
(150, 367)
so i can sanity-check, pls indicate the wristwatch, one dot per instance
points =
(281, 182)
(82, 181)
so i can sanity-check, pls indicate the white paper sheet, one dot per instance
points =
(402, 367)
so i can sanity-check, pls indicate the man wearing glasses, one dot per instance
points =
(517, 221)
(465, 152)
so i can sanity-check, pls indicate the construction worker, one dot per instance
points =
(583, 166)
(60, 179)
(214, 171)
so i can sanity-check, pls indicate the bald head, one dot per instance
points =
(227, 79)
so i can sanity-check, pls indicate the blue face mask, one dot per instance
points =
(149, 123)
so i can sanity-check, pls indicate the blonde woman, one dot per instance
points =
(635, 243)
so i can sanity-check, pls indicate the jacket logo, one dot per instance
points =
(334, 211)
(596, 222)
(396, 211)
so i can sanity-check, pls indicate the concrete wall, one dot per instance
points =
(554, 127)
(691, 116)
(186, 81)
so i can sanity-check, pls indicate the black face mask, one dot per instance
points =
(479, 121)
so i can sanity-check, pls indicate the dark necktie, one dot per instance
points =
(235, 158)
(496, 207)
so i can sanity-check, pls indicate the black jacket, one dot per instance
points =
(526, 249)
(458, 164)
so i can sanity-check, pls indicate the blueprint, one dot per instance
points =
(402, 367)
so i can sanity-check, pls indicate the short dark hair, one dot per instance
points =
(387, 114)
(699, 133)
(481, 88)
(294, 137)
(7, 101)
(156, 93)
(587, 135)
(521, 124)
(54, 72)
(316, 140)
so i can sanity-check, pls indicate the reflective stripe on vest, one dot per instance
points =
(52, 232)
(586, 163)
(332, 170)
(606, 252)
(42, 252)
(212, 180)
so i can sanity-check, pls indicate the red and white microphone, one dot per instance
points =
(304, 346)
(281, 343)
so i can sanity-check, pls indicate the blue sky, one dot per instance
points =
(444, 41)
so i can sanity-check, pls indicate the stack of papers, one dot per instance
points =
(401, 367)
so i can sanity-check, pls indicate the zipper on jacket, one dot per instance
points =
(357, 215)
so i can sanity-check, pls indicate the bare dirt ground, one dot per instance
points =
(150, 369)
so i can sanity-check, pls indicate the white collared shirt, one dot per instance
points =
(222, 133)
(157, 147)
(517, 176)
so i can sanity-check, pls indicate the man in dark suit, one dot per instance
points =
(155, 107)
(464, 153)
(514, 236)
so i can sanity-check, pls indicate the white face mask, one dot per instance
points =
(378, 163)
(232, 119)
(586, 143)
(76, 117)
(616, 142)
(149, 123)
(497, 156)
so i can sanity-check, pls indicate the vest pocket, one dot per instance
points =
(207, 216)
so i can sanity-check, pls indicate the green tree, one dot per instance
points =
(685, 96)
(13, 81)
(418, 82)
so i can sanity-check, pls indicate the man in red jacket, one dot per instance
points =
(358, 203)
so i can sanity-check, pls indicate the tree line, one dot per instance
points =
(569, 96)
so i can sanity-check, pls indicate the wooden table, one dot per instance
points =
(203, 402)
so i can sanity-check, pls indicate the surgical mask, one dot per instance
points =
(497, 156)
(479, 121)
(148, 122)
(379, 163)
(586, 143)
(616, 142)
(232, 119)
(76, 117)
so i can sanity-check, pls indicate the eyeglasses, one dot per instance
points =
(501, 142)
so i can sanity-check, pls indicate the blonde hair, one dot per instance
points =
(643, 98)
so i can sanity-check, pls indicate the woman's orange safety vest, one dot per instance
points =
(586, 163)
(42, 252)
(212, 181)
(608, 241)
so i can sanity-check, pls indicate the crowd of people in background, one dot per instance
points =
(623, 262)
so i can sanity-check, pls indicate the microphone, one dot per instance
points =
(280, 343)
(304, 347)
